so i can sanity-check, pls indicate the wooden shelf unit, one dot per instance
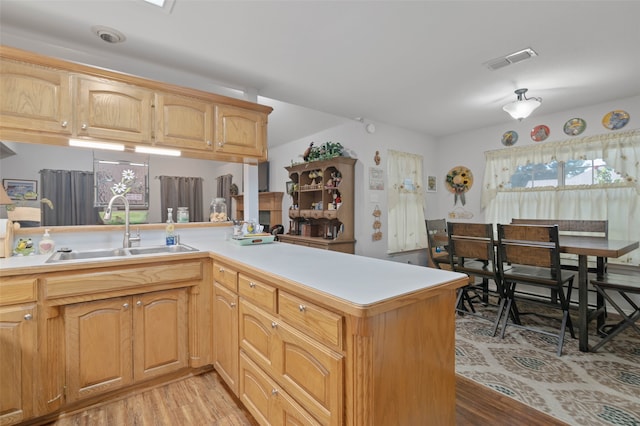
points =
(315, 219)
(268, 202)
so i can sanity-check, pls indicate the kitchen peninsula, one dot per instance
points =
(297, 333)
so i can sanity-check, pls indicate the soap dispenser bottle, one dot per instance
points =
(46, 244)
(170, 229)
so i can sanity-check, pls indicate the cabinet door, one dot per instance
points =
(225, 335)
(112, 110)
(98, 342)
(183, 122)
(34, 98)
(240, 132)
(17, 355)
(266, 401)
(311, 373)
(257, 335)
(160, 333)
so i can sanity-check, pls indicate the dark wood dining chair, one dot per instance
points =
(624, 286)
(438, 241)
(533, 255)
(472, 252)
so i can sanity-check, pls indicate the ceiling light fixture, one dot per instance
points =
(96, 145)
(523, 106)
(158, 151)
(108, 34)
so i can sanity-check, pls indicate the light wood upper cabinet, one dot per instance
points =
(183, 122)
(240, 132)
(35, 98)
(111, 110)
(47, 100)
(17, 356)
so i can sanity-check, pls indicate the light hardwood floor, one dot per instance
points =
(204, 400)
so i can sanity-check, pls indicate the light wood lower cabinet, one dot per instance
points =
(266, 400)
(307, 370)
(115, 342)
(225, 324)
(17, 356)
(225, 333)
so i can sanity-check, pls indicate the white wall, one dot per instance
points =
(363, 146)
(31, 158)
(467, 149)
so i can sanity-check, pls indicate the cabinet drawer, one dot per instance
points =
(17, 290)
(120, 279)
(225, 275)
(312, 319)
(268, 403)
(258, 292)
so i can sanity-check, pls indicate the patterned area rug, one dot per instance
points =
(601, 388)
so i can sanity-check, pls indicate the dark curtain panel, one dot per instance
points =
(177, 192)
(71, 192)
(224, 190)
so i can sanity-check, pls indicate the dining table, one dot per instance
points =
(584, 246)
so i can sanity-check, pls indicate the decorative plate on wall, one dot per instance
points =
(509, 138)
(540, 133)
(575, 126)
(615, 120)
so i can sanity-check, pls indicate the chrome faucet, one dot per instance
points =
(126, 242)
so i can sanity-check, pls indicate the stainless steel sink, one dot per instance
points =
(62, 256)
(179, 248)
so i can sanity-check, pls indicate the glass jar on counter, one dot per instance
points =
(183, 215)
(218, 210)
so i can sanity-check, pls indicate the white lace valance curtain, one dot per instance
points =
(619, 150)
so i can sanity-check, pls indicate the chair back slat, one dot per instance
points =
(530, 245)
(515, 253)
(471, 241)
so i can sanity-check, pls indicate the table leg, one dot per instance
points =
(583, 303)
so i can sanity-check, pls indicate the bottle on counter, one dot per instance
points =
(170, 229)
(46, 244)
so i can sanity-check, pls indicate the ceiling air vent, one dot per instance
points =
(511, 58)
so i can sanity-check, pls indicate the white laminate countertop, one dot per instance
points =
(356, 279)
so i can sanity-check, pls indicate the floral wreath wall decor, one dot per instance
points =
(459, 181)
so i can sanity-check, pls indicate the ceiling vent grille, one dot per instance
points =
(511, 58)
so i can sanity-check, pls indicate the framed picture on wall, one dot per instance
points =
(20, 189)
(431, 184)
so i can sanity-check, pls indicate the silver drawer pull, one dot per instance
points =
(221, 270)
(252, 284)
(302, 308)
(232, 304)
(28, 317)
(139, 303)
(274, 324)
(274, 392)
(64, 124)
(125, 305)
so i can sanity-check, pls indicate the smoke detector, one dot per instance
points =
(511, 58)
(109, 35)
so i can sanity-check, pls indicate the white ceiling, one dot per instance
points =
(413, 64)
